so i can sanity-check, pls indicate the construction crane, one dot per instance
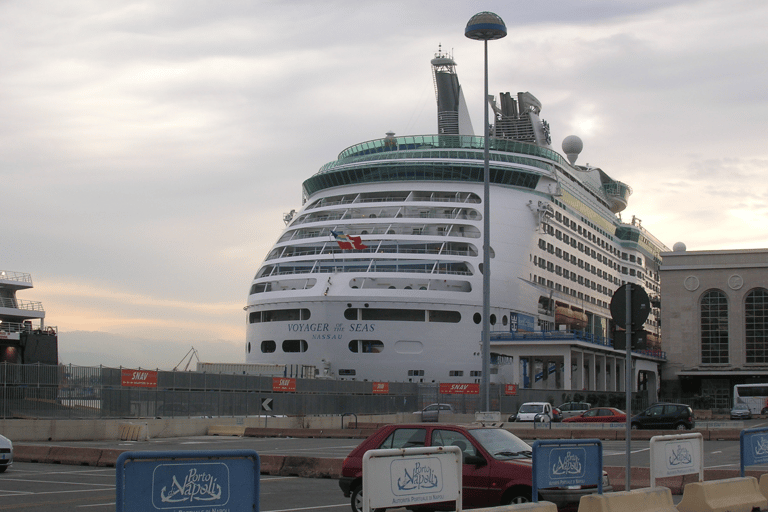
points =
(192, 353)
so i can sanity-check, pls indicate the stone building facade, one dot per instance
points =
(714, 323)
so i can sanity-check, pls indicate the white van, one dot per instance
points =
(530, 410)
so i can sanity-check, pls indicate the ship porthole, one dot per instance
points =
(504, 320)
(493, 319)
(249, 347)
(477, 318)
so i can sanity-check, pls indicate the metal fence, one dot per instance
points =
(74, 392)
(49, 391)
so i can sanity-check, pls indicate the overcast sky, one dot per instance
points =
(149, 149)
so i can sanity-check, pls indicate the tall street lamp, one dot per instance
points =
(486, 26)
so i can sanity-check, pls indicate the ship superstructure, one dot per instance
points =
(379, 275)
(24, 337)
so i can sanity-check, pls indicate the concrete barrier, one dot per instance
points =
(74, 456)
(639, 500)
(542, 506)
(311, 467)
(31, 453)
(271, 464)
(109, 457)
(740, 494)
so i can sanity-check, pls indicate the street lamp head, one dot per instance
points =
(485, 26)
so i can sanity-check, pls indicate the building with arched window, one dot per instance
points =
(714, 322)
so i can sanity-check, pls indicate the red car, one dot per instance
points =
(496, 471)
(599, 415)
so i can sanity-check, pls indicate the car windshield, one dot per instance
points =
(742, 406)
(502, 444)
(529, 408)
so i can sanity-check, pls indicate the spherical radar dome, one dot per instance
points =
(679, 247)
(572, 146)
(485, 26)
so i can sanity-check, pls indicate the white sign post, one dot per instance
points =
(676, 455)
(411, 476)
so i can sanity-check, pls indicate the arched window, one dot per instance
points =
(714, 328)
(756, 325)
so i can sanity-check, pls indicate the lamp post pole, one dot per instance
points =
(485, 26)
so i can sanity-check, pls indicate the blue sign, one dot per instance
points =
(521, 322)
(564, 462)
(753, 446)
(188, 481)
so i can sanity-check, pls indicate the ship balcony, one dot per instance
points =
(618, 195)
(15, 280)
(12, 309)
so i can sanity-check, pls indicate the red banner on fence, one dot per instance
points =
(454, 388)
(139, 378)
(283, 384)
(510, 389)
(381, 388)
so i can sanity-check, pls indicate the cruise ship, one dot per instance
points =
(378, 276)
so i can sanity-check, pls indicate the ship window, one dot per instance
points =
(456, 373)
(445, 316)
(347, 372)
(295, 346)
(249, 347)
(401, 315)
(477, 318)
(493, 319)
(268, 346)
(366, 346)
(475, 373)
(504, 320)
(279, 315)
(350, 314)
(415, 373)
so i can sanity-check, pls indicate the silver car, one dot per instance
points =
(6, 453)
(741, 412)
(434, 412)
(571, 409)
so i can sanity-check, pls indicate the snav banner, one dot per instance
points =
(138, 378)
(454, 388)
(283, 384)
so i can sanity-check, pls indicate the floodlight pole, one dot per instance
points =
(482, 27)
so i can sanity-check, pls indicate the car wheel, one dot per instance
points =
(681, 426)
(516, 496)
(357, 501)
(3, 468)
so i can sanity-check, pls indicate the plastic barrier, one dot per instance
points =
(638, 500)
(133, 432)
(542, 506)
(730, 495)
(764, 485)
(226, 430)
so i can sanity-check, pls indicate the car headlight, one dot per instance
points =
(606, 481)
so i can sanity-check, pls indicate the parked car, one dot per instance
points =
(6, 453)
(570, 409)
(533, 411)
(497, 468)
(663, 416)
(557, 415)
(433, 412)
(599, 415)
(741, 412)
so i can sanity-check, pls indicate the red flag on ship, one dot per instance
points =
(348, 241)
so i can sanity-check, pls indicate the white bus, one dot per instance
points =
(754, 395)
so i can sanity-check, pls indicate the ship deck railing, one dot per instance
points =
(26, 305)
(10, 275)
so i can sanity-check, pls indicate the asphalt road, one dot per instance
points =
(51, 487)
